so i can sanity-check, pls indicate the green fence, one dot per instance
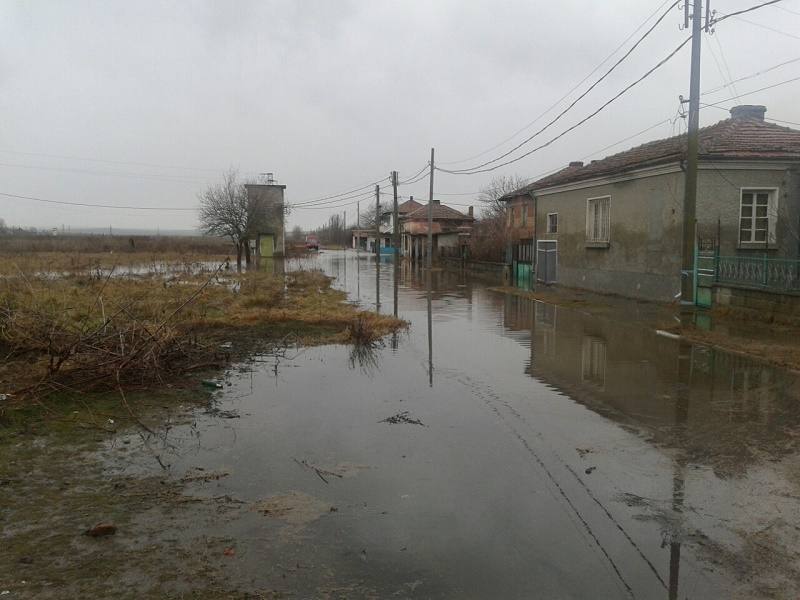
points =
(763, 272)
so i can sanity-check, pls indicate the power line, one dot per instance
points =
(722, 87)
(153, 208)
(560, 100)
(113, 162)
(574, 102)
(579, 123)
(769, 87)
(741, 12)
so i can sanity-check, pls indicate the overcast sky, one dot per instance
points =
(117, 114)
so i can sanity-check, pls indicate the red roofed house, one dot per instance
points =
(615, 225)
(367, 238)
(450, 227)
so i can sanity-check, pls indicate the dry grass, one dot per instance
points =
(89, 325)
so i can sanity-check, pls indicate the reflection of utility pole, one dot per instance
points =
(430, 217)
(430, 312)
(690, 191)
(377, 222)
(358, 226)
(682, 396)
(396, 232)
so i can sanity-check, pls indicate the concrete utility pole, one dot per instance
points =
(690, 191)
(344, 228)
(396, 232)
(378, 222)
(358, 225)
(430, 217)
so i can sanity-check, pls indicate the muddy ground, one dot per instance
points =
(76, 525)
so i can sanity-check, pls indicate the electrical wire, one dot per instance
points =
(574, 102)
(154, 177)
(152, 208)
(560, 100)
(722, 87)
(579, 123)
(112, 162)
(741, 12)
(769, 87)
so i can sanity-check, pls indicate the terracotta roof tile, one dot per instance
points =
(440, 213)
(739, 138)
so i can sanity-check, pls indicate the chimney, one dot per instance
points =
(748, 111)
(437, 202)
(576, 163)
(470, 213)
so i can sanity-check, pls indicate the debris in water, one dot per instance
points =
(402, 417)
(101, 530)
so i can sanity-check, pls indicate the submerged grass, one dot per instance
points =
(107, 329)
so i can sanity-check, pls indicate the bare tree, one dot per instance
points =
(488, 239)
(3, 228)
(368, 219)
(224, 211)
(490, 195)
(297, 233)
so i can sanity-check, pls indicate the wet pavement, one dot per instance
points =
(500, 448)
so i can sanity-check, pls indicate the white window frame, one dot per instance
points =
(764, 222)
(598, 221)
(552, 223)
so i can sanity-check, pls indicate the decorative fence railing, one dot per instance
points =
(765, 273)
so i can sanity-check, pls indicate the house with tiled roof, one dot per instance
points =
(615, 225)
(367, 238)
(449, 230)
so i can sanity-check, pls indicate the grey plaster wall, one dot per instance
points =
(643, 257)
(718, 200)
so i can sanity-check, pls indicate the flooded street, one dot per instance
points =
(500, 448)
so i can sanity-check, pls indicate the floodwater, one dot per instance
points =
(502, 448)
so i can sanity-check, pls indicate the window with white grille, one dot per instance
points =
(598, 220)
(757, 216)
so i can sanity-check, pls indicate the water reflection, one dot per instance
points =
(716, 406)
(710, 423)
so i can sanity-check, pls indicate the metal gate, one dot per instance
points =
(705, 254)
(546, 255)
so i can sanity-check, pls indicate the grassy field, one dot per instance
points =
(92, 315)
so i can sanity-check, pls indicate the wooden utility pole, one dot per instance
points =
(690, 190)
(396, 232)
(430, 217)
(377, 221)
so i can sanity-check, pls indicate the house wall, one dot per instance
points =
(643, 256)
(719, 197)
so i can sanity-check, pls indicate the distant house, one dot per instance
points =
(270, 237)
(450, 228)
(367, 238)
(615, 225)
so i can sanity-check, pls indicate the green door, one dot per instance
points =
(267, 246)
